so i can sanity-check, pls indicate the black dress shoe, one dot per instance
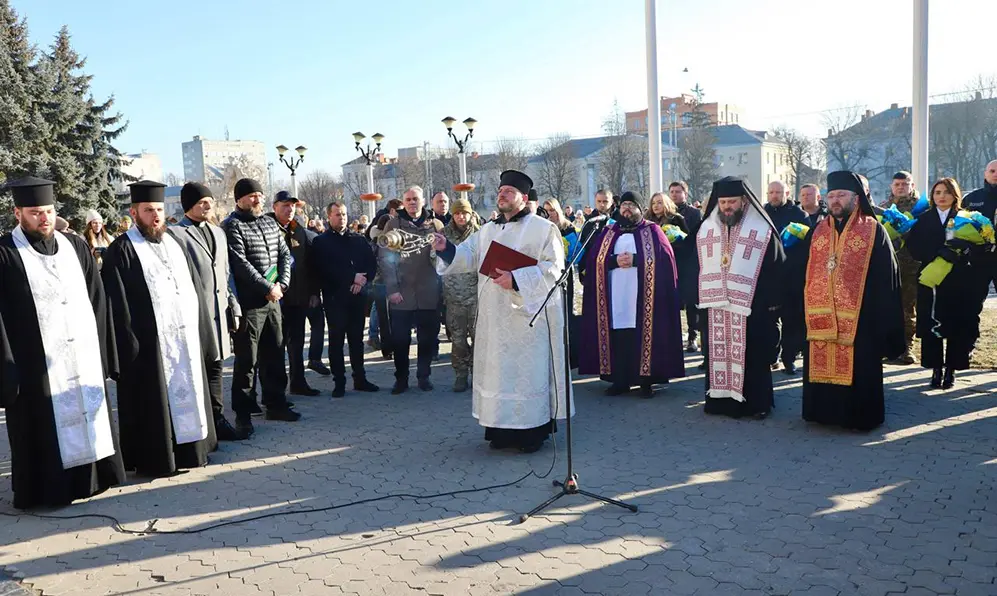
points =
(617, 389)
(226, 432)
(425, 385)
(646, 391)
(319, 368)
(789, 368)
(531, 448)
(936, 378)
(304, 390)
(255, 409)
(285, 414)
(949, 380)
(399, 388)
(339, 390)
(244, 426)
(387, 354)
(365, 385)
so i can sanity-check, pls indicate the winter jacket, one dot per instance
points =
(909, 266)
(303, 283)
(412, 270)
(336, 259)
(254, 245)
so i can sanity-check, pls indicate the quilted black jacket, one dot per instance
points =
(254, 245)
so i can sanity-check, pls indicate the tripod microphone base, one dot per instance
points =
(570, 487)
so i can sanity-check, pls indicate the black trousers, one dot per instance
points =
(259, 342)
(427, 324)
(792, 337)
(316, 320)
(214, 373)
(346, 320)
(951, 352)
(692, 316)
(294, 339)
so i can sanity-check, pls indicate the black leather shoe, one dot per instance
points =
(244, 426)
(365, 385)
(226, 432)
(285, 414)
(646, 391)
(936, 378)
(425, 385)
(255, 409)
(949, 380)
(339, 390)
(319, 368)
(399, 388)
(617, 389)
(304, 390)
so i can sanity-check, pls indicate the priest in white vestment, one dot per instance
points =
(165, 339)
(55, 347)
(518, 374)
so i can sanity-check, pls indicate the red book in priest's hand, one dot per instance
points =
(500, 256)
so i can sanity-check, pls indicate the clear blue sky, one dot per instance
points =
(313, 71)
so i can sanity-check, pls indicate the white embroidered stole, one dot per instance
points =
(175, 305)
(728, 277)
(68, 330)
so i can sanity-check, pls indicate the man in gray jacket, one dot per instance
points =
(261, 268)
(208, 250)
(412, 287)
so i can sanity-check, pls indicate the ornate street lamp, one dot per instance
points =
(292, 164)
(464, 187)
(369, 154)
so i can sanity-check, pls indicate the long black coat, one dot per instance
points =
(37, 473)
(955, 305)
(147, 439)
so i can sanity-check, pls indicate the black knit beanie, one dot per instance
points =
(246, 186)
(191, 193)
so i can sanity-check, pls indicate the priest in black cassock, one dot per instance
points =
(54, 351)
(164, 341)
(852, 308)
(631, 331)
(741, 264)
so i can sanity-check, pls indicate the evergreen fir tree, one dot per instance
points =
(82, 160)
(22, 127)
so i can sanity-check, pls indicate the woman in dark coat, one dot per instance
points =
(950, 312)
(663, 211)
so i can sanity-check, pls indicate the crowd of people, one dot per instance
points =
(836, 279)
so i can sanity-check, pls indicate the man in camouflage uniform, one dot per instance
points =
(903, 195)
(460, 293)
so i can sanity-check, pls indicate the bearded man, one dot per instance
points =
(741, 263)
(631, 330)
(853, 308)
(165, 343)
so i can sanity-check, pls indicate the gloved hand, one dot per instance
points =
(959, 244)
(948, 254)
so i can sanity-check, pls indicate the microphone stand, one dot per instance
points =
(570, 484)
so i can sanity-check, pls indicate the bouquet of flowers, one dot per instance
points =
(970, 228)
(896, 222)
(793, 234)
(673, 233)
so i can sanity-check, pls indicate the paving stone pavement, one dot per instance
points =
(726, 506)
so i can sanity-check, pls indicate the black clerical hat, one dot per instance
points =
(147, 191)
(32, 192)
(846, 180)
(736, 186)
(517, 180)
(533, 196)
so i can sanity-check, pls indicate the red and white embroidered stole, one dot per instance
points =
(730, 262)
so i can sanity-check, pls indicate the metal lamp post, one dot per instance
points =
(292, 164)
(371, 197)
(464, 186)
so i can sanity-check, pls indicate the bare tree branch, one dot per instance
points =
(557, 175)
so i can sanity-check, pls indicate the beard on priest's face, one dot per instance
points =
(150, 220)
